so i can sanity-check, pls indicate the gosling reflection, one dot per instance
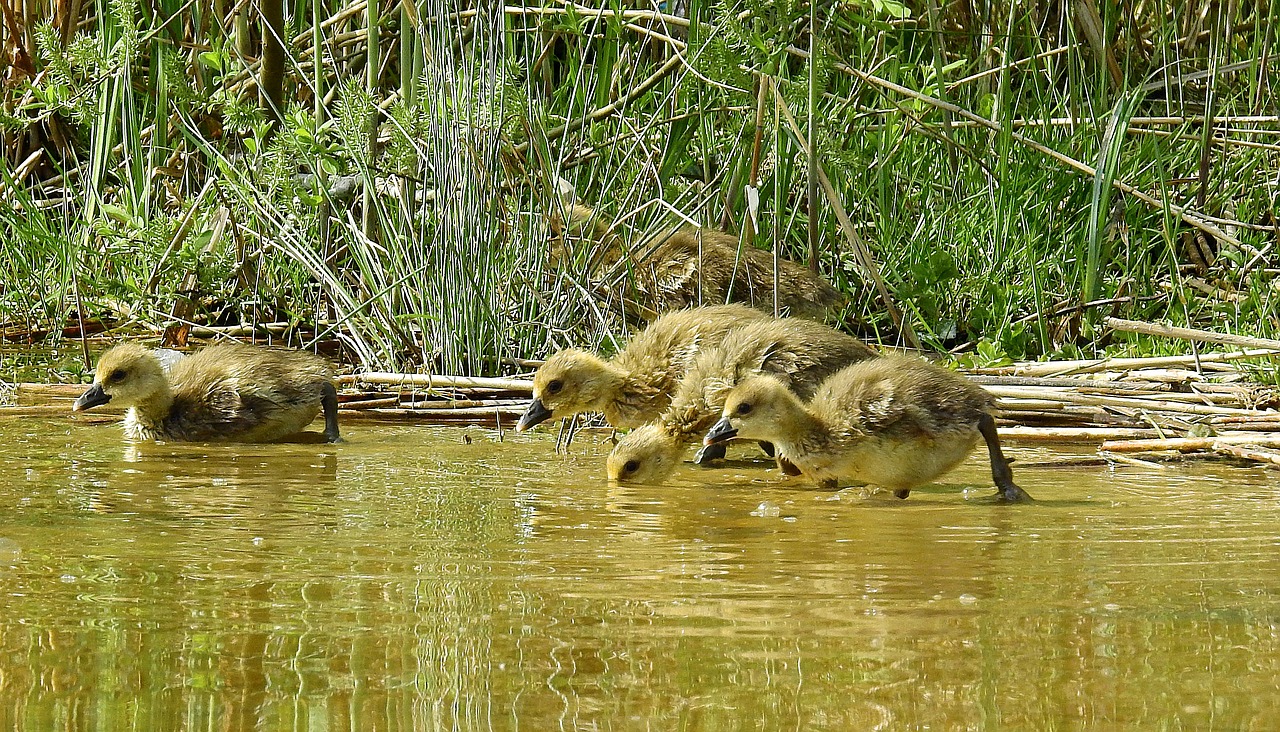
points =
(208, 480)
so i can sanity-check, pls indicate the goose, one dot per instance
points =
(687, 266)
(634, 386)
(801, 353)
(222, 393)
(894, 421)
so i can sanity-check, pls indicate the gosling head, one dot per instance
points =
(757, 409)
(127, 374)
(569, 382)
(646, 454)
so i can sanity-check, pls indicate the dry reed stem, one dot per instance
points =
(1269, 458)
(1089, 366)
(1190, 444)
(436, 381)
(1099, 435)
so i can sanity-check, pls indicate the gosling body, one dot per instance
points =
(223, 393)
(685, 266)
(636, 385)
(894, 421)
(800, 353)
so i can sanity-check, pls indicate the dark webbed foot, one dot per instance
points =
(710, 453)
(787, 467)
(329, 400)
(768, 448)
(1012, 494)
(1001, 473)
(902, 493)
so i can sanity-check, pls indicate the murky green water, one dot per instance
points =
(406, 580)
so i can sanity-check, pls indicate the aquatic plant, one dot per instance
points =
(1004, 177)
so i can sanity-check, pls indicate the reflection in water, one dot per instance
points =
(407, 580)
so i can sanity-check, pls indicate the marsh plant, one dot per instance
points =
(985, 177)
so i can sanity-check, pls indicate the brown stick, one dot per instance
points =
(1271, 425)
(438, 381)
(1101, 400)
(609, 109)
(1088, 366)
(861, 251)
(1192, 218)
(1056, 382)
(1190, 444)
(362, 404)
(1073, 434)
(1268, 457)
(1193, 334)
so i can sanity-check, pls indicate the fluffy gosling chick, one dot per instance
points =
(683, 266)
(894, 421)
(223, 393)
(636, 385)
(800, 353)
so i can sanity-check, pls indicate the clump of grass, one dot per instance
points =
(1016, 175)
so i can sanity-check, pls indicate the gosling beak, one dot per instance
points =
(721, 432)
(94, 397)
(537, 413)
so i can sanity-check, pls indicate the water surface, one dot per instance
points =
(409, 579)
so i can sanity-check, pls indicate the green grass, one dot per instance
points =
(159, 176)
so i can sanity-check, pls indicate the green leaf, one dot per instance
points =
(212, 60)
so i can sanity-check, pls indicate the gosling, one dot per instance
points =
(894, 421)
(800, 353)
(223, 393)
(636, 385)
(682, 267)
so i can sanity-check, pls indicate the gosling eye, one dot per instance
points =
(116, 376)
(631, 466)
(744, 408)
(554, 386)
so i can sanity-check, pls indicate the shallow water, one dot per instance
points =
(408, 580)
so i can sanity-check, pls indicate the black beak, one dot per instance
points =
(721, 432)
(94, 397)
(537, 413)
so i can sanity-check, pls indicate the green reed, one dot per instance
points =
(400, 201)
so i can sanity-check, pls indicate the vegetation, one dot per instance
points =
(383, 174)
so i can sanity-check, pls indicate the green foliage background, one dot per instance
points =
(994, 156)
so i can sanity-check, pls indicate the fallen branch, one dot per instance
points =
(1073, 434)
(1192, 218)
(1127, 460)
(1102, 400)
(1089, 366)
(1268, 457)
(1189, 444)
(437, 381)
(1193, 334)
(1054, 382)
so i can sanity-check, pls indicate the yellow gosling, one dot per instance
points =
(800, 353)
(635, 385)
(685, 266)
(223, 393)
(894, 421)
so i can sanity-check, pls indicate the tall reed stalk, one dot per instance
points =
(1010, 166)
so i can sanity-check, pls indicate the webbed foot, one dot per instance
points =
(1010, 493)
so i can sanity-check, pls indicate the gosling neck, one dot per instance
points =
(636, 399)
(151, 412)
(801, 427)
